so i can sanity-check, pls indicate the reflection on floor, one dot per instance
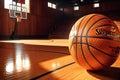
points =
(46, 60)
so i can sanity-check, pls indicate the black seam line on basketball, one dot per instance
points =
(76, 34)
(87, 40)
(100, 37)
(94, 24)
(76, 41)
(79, 27)
(91, 27)
(105, 25)
(97, 49)
(77, 38)
(44, 74)
(95, 57)
(81, 44)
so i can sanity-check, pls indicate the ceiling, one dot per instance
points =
(65, 3)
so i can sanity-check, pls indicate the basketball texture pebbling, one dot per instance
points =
(94, 42)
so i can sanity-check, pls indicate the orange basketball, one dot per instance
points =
(94, 42)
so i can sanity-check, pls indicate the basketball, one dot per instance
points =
(94, 42)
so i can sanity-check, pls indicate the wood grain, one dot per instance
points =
(17, 62)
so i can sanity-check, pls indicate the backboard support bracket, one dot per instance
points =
(18, 13)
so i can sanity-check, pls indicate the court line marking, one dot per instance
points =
(44, 74)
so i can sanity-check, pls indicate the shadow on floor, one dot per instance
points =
(111, 73)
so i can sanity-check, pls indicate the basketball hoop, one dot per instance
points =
(17, 12)
(18, 18)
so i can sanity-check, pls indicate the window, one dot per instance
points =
(96, 0)
(76, 8)
(81, 0)
(61, 9)
(96, 5)
(51, 5)
(8, 2)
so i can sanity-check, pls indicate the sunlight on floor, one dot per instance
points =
(49, 42)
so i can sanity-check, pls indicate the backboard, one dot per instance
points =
(17, 11)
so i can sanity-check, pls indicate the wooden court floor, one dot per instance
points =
(24, 60)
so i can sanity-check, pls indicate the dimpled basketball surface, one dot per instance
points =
(94, 42)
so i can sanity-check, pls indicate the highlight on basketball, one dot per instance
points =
(94, 42)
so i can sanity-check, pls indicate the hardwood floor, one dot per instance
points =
(46, 60)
